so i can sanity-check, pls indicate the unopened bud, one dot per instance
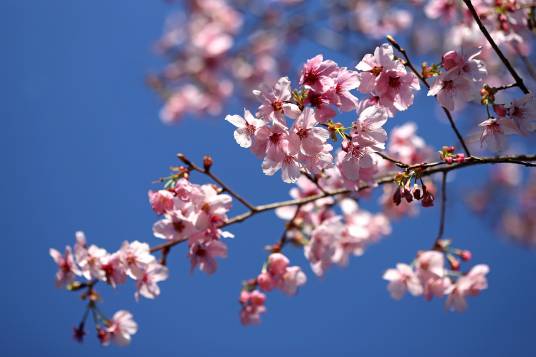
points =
(207, 162)
(466, 255)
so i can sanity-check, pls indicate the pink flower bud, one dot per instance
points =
(277, 264)
(265, 281)
(257, 298)
(465, 255)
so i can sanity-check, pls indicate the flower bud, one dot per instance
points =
(207, 162)
(465, 255)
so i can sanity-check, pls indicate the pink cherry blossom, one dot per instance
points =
(316, 74)
(67, 268)
(441, 9)
(461, 81)
(252, 307)
(287, 162)
(174, 226)
(367, 129)
(147, 279)
(135, 256)
(402, 279)
(212, 208)
(386, 78)
(494, 131)
(345, 81)
(468, 285)
(523, 112)
(90, 261)
(265, 281)
(322, 245)
(114, 269)
(292, 278)
(204, 254)
(452, 91)
(311, 137)
(276, 102)
(431, 272)
(355, 159)
(247, 127)
(322, 103)
(277, 264)
(161, 201)
(122, 327)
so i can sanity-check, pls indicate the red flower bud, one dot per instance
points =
(465, 255)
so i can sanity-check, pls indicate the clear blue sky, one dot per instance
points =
(81, 142)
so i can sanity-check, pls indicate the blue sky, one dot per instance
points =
(82, 142)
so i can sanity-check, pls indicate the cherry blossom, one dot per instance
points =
(402, 279)
(523, 112)
(494, 131)
(204, 254)
(161, 201)
(122, 327)
(345, 81)
(276, 102)
(135, 256)
(252, 307)
(67, 269)
(147, 279)
(461, 81)
(316, 74)
(386, 78)
(247, 127)
(468, 285)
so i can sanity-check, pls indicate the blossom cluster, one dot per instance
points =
(218, 47)
(428, 276)
(95, 264)
(329, 238)
(324, 87)
(518, 118)
(193, 213)
(275, 274)
(461, 80)
(92, 263)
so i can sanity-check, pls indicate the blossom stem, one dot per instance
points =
(509, 67)
(400, 49)
(429, 169)
(390, 159)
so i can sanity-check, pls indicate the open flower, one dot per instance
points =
(122, 327)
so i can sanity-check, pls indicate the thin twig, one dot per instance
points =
(207, 172)
(496, 48)
(390, 159)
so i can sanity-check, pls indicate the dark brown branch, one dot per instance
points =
(511, 69)
(400, 49)
(428, 170)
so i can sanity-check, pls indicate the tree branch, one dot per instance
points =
(428, 170)
(511, 69)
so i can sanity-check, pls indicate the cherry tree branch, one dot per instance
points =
(426, 169)
(511, 69)
(400, 49)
